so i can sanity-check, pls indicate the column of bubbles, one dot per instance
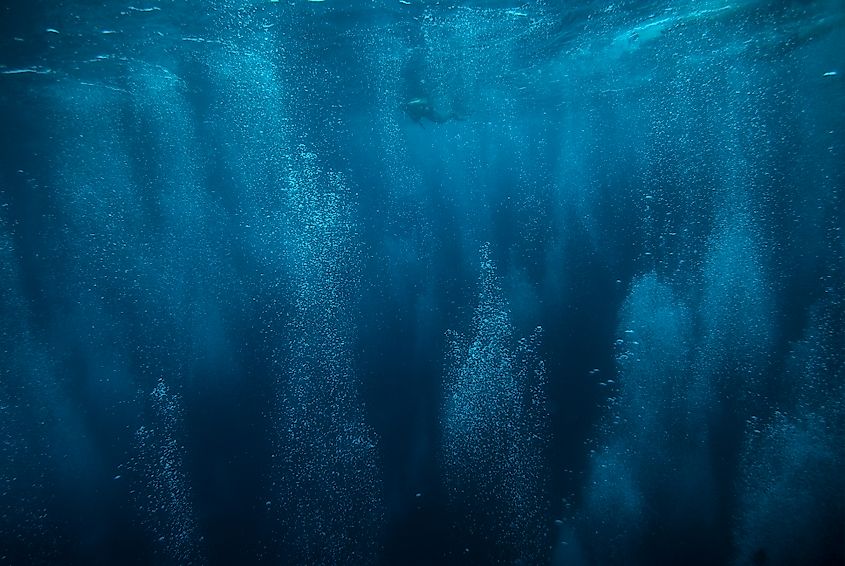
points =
(737, 307)
(793, 455)
(253, 129)
(163, 492)
(651, 468)
(328, 485)
(494, 430)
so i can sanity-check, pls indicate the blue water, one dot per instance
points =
(422, 282)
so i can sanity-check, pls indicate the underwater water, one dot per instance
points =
(422, 282)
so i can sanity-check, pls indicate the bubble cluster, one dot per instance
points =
(653, 451)
(163, 491)
(494, 428)
(327, 480)
(736, 306)
(792, 458)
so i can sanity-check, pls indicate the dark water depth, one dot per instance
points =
(422, 282)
